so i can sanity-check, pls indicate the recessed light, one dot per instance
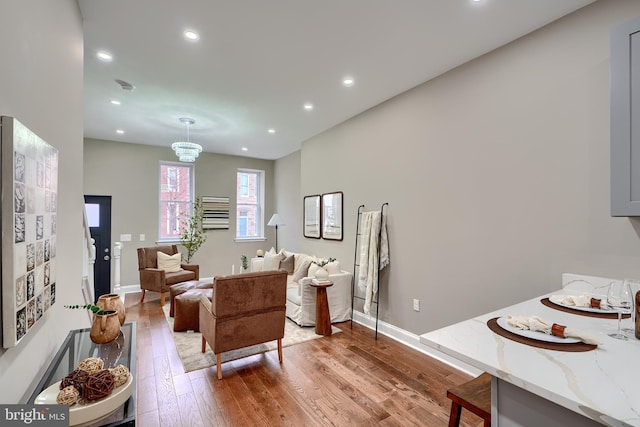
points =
(191, 35)
(245, 149)
(105, 56)
(347, 82)
(120, 131)
(115, 102)
(308, 106)
(271, 130)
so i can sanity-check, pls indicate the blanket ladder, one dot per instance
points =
(356, 264)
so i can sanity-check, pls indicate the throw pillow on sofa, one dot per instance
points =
(299, 259)
(287, 264)
(169, 263)
(302, 271)
(271, 262)
(273, 251)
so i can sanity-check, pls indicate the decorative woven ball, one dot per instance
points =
(68, 396)
(121, 374)
(98, 385)
(75, 379)
(91, 364)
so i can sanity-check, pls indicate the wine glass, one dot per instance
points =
(634, 285)
(619, 298)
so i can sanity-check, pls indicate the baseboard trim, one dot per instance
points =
(129, 289)
(404, 337)
(412, 340)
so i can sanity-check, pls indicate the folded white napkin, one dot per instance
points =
(578, 301)
(535, 323)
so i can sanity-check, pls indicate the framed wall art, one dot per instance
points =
(332, 216)
(29, 221)
(311, 216)
(215, 213)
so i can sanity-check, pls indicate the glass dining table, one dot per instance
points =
(76, 347)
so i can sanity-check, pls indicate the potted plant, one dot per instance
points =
(324, 262)
(192, 236)
(322, 274)
(94, 308)
(245, 263)
(106, 325)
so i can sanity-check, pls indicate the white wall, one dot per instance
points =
(496, 174)
(288, 201)
(41, 83)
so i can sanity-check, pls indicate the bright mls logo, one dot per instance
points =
(34, 415)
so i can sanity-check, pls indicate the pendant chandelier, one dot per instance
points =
(185, 150)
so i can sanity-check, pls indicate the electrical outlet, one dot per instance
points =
(142, 237)
(416, 305)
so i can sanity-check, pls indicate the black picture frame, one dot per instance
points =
(332, 215)
(311, 216)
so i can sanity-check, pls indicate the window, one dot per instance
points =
(176, 198)
(93, 214)
(249, 205)
(243, 220)
(244, 184)
(173, 180)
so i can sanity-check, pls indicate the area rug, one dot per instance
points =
(189, 344)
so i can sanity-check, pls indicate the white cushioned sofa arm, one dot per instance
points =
(339, 295)
(256, 264)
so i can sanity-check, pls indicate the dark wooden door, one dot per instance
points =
(99, 216)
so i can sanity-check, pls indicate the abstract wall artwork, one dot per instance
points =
(29, 221)
(215, 213)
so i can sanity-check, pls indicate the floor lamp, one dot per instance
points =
(274, 222)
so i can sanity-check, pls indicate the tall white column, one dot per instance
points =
(117, 252)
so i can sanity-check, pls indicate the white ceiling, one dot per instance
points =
(258, 61)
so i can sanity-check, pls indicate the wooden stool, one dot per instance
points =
(475, 396)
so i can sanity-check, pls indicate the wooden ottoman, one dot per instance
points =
(180, 288)
(187, 307)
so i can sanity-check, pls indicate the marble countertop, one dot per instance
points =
(602, 384)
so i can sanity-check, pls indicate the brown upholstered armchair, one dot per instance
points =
(154, 279)
(245, 309)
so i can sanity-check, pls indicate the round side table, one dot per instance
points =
(323, 317)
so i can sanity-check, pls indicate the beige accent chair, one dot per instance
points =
(245, 309)
(157, 280)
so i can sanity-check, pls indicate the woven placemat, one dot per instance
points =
(574, 347)
(614, 315)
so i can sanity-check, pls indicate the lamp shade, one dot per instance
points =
(274, 221)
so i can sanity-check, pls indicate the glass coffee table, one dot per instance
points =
(76, 347)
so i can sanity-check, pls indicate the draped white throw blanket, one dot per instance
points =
(372, 240)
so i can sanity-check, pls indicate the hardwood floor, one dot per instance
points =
(345, 379)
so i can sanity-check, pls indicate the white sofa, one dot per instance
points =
(301, 296)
